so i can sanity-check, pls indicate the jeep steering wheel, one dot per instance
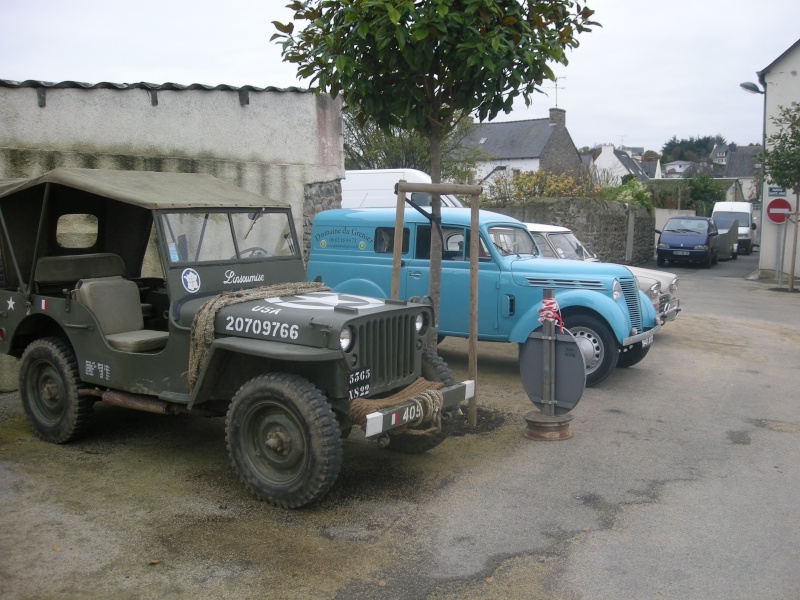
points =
(252, 251)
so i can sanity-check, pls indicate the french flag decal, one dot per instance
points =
(44, 304)
(394, 418)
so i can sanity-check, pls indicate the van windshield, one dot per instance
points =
(742, 217)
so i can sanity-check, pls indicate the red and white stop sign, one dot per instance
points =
(778, 210)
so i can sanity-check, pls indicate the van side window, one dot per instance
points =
(384, 240)
(455, 243)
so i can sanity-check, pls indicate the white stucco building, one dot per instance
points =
(780, 82)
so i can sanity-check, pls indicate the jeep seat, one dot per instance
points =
(115, 304)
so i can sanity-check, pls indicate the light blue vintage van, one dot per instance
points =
(614, 323)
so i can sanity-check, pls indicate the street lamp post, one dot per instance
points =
(752, 88)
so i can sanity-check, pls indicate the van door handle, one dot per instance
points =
(415, 274)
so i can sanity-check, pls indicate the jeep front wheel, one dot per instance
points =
(48, 386)
(412, 440)
(283, 440)
(597, 344)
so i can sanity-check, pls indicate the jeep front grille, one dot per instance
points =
(631, 293)
(388, 346)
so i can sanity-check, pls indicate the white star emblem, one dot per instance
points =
(10, 304)
(326, 301)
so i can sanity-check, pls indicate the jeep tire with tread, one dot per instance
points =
(48, 385)
(283, 440)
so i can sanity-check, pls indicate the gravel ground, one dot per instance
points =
(680, 482)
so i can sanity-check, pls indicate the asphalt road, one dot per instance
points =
(681, 481)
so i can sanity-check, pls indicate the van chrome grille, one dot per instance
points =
(388, 346)
(631, 293)
(573, 284)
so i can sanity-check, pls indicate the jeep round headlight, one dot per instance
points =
(346, 338)
(616, 291)
(420, 323)
(655, 290)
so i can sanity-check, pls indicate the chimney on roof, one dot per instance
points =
(558, 117)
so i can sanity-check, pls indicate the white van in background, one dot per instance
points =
(373, 188)
(742, 212)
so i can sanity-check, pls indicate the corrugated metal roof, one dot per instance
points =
(33, 83)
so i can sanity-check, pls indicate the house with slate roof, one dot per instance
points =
(530, 145)
(612, 165)
(739, 162)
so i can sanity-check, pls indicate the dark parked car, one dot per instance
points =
(688, 239)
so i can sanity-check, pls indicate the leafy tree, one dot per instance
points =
(692, 149)
(508, 190)
(704, 192)
(631, 191)
(367, 146)
(422, 66)
(782, 164)
(650, 156)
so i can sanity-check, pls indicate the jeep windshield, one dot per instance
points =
(247, 234)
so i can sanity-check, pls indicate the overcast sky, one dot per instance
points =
(653, 71)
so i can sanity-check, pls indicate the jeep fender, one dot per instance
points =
(222, 348)
(361, 287)
(579, 301)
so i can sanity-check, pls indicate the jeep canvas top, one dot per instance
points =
(180, 293)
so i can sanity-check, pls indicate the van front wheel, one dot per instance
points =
(597, 344)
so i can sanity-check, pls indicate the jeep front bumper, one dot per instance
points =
(386, 419)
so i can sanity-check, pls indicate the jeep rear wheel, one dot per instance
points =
(48, 386)
(597, 344)
(283, 440)
(434, 368)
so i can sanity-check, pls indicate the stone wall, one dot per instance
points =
(617, 232)
(282, 144)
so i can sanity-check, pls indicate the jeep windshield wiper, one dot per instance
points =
(255, 217)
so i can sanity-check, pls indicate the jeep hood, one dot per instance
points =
(312, 319)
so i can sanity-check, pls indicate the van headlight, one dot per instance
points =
(701, 247)
(673, 285)
(346, 338)
(616, 291)
(663, 246)
(655, 290)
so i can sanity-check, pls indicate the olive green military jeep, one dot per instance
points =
(179, 293)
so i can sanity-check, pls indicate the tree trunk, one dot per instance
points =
(435, 280)
(794, 239)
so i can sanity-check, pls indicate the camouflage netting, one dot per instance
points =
(203, 325)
